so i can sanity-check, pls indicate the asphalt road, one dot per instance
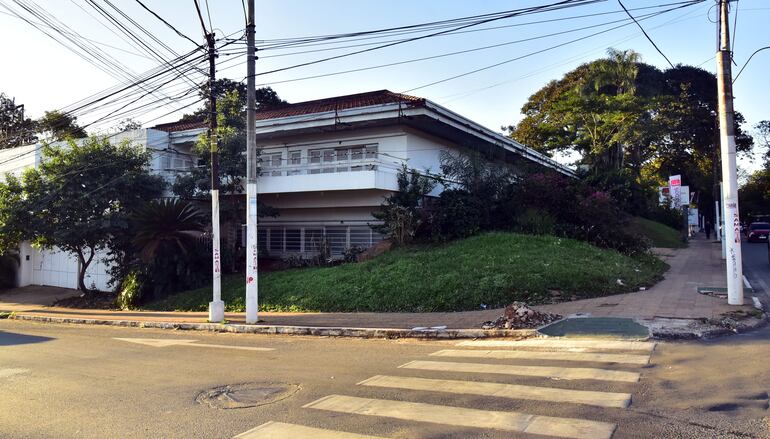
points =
(756, 266)
(60, 381)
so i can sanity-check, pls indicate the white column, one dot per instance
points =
(216, 306)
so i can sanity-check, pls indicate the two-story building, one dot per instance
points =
(169, 146)
(326, 165)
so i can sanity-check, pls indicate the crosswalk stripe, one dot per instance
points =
(538, 355)
(566, 373)
(601, 399)
(567, 343)
(465, 417)
(280, 430)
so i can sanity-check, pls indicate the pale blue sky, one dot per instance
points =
(44, 75)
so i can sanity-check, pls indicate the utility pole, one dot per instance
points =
(732, 221)
(216, 306)
(252, 250)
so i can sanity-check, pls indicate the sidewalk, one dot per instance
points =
(675, 298)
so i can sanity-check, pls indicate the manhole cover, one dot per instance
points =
(238, 396)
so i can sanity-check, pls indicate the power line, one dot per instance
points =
(166, 23)
(537, 51)
(747, 61)
(553, 6)
(645, 34)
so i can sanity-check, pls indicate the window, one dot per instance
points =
(276, 239)
(165, 162)
(313, 239)
(371, 151)
(342, 154)
(338, 239)
(295, 157)
(356, 153)
(294, 172)
(328, 155)
(276, 173)
(315, 156)
(275, 160)
(293, 240)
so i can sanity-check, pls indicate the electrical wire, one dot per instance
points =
(166, 23)
(747, 62)
(552, 6)
(646, 35)
(533, 53)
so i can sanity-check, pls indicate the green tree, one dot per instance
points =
(15, 128)
(400, 213)
(77, 199)
(57, 126)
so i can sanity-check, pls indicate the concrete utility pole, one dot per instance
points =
(252, 251)
(732, 222)
(216, 306)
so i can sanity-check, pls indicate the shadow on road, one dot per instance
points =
(12, 339)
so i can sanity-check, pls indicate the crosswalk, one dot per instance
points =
(493, 369)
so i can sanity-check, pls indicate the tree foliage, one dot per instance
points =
(400, 214)
(56, 126)
(78, 199)
(631, 120)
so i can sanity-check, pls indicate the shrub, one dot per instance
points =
(130, 294)
(535, 222)
(456, 214)
(400, 213)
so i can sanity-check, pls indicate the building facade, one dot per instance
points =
(326, 165)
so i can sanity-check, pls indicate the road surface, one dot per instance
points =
(62, 381)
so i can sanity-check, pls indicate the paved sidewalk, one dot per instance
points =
(675, 297)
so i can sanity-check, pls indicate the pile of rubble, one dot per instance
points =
(518, 315)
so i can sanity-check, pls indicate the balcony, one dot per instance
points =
(310, 177)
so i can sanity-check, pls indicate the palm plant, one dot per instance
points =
(166, 227)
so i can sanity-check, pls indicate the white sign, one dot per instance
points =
(675, 189)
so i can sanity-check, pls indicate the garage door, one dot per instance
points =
(55, 268)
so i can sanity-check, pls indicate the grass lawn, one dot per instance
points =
(661, 235)
(493, 269)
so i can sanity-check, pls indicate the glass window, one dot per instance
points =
(371, 151)
(294, 172)
(313, 239)
(315, 156)
(327, 170)
(356, 153)
(342, 169)
(337, 237)
(165, 162)
(342, 154)
(295, 157)
(313, 171)
(275, 160)
(276, 174)
(276, 239)
(292, 240)
(328, 155)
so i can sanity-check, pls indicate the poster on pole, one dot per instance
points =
(675, 189)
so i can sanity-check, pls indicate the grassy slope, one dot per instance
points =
(493, 269)
(661, 235)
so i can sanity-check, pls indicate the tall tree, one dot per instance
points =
(77, 199)
(15, 128)
(57, 126)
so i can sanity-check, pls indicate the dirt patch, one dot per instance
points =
(100, 300)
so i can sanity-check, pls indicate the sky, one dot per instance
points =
(44, 75)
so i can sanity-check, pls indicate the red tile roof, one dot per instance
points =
(181, 125)
(358, 100)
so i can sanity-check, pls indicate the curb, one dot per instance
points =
(708, 331)
(386, 333)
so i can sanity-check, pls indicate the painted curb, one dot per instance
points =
(388, 333)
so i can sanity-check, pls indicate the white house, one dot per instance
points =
(326, 166)
(170, 147)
